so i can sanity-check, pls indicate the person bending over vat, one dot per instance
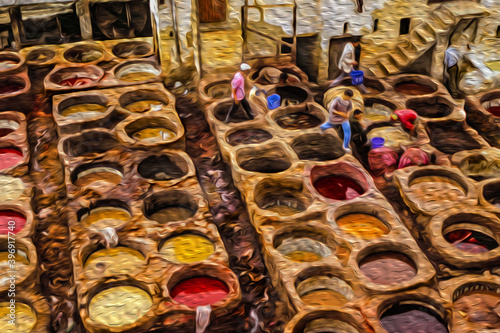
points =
(408, 119)
(339, 116)
(238, 95)
(346, 65)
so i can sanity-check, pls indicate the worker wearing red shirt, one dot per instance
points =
(407, 118)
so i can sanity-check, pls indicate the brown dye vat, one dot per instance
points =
(388, 268)
(248, 136)
(266, 160)
(283, 197)
(97, 173)
(162, 167)
(222, 109)
(363, 226)
(413, 88)
(40, 56)
(83, 54)
(450, 137)
(491, 192)
(317, 147)
(132, 49)
(298, 120)
(291, 95)
(480, 306)
(434, 107)
(170, 206)
(324, 291)
(437, 189)
(11, 85)
(412, 318)
(90, 142)
(7, 126)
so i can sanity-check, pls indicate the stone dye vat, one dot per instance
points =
(414, 85)
(40, 56)
(137, 71)
(451, 137)
(388, 268)
(187, 248)
(324, 291)
(72, 78)
(317, 147)
(299, 117)
(143, 100)
(248, 136)
(170, 206)
(408, 317)
(199, 291)
(105, 214)
(323, 320)
(133, 49)
(84, 53)
(272, 158)
(113, 261)
(25, 262)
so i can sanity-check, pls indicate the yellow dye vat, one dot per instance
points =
(84, 111)
(363, 226)
(104, 174)
(104, 217)
(154, 134)
(119, 306)
(137, 76)
(303, 256)
(21, 265)
(186, 249)
(25, 318)
(144, 106)
(324, 297)
(118, 260)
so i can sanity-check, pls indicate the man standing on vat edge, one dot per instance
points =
(339, 115)
(238, 94)
(346, 65)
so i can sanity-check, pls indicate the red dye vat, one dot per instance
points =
(494, 110)
(9, 157)
(413, 89)
(338, 187)
(11, 221)
(5, 131)
(199, 291)
(75, 81)
(471, 241)
(10, 87)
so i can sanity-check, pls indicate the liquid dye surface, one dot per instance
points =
(412, 319)
(299, 120)
(174, 213)
(363, 226)
(480, 307)
(9, 157)
(154, 134)
(199, 291)
(21, 266)
(303, 256)
(265, 164)
(248, 137)
(324, 297)
(84, 111)
(144, 106)
(117, 260)
(388, 268)
(11, 221)
(137, 76)
(432, 189)
(76, 81)
(413, 89)
(303, 249)
(494, 110)
(25, 318)
(10, 87)
(106, 217)
(338, 187)
(186, 249)
(119, 306)
(99, 174)
(471, 241)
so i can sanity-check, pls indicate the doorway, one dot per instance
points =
(335, 50)
(212, 11)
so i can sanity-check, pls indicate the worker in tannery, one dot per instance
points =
(339, 116)
(238, 94)
(346, 65)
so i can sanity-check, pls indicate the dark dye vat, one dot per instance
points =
(338, 187)
(298, 120)
(10, 87)
(494, 110)
(471, 241)
(388, 268)
(265, 164)
(430, 108)
(317, 147)
(450, 138)
(412, 318)
(250, 136)
(291, 95)
(491, 192)
(415, 89)
(237, 117)
(159, 168)
(5, 131)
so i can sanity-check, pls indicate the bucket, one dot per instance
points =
(273, 101)
(357, 77)
(377, 142)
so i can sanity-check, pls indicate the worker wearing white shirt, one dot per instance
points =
(451, 61)
(346, 65)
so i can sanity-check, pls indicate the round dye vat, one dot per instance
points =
(137, 76)
(363, 226)
(162, 168)
(98, 174)
(249, 136)
(40, 56)
(119, 306)
(106, 217)
(324, 297)
(9, 157)
(298, 120)
(11, 221)
(187, 248)
(329, 325)
(415, 89)
(76, 81)
(480, 307)
(25, 318)
(219, 91)
(494, 110)
(437, 189)
(412, 318)
(154, 134)
(172, 213)
(83, 111)
(338, 187)
(144, 106)
(9, 87)
(325, 291)
(132, 49)
(303, 249)
(265, 164)
(199, 291)
(388, 268)
(21, 266)
(7, 127)
(471, 241)
(117, 260)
